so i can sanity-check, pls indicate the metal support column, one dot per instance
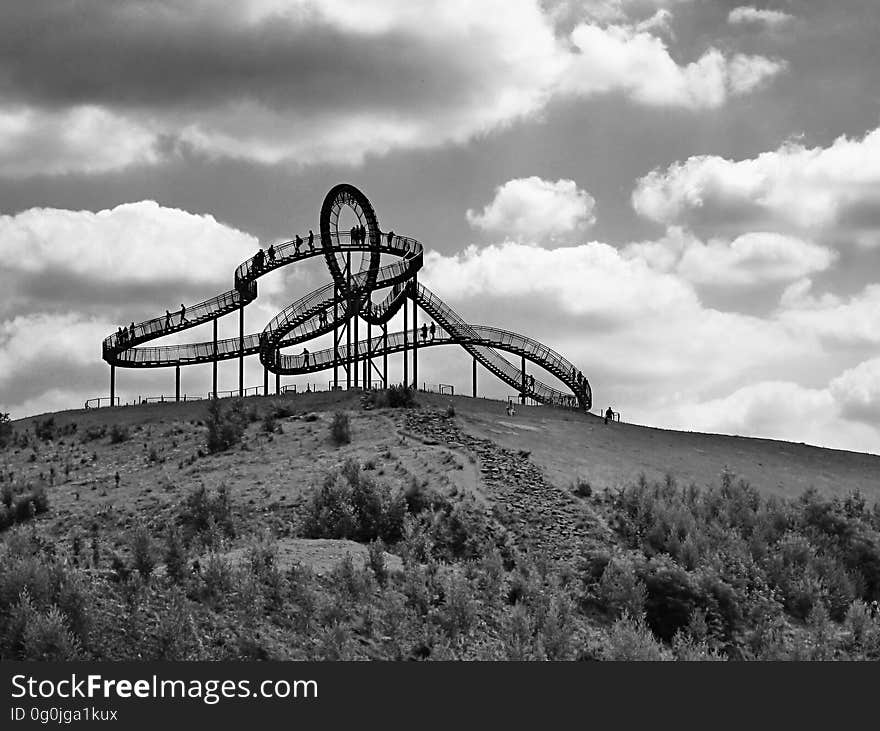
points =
(405, 346)
(415, 317)
(474, 376)
(112, 386)
(214, 362)
(265, 381)
(177, 383)
(277, 383)
(385, 355)
(522, 394)
(335, 337)
(368, 360)
(241, 351)
(355, 341)
(348, 323)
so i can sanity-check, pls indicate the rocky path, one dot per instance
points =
(540, 515)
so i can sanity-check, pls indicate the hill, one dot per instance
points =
(340, 527)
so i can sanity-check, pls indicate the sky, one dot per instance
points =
(681, 196)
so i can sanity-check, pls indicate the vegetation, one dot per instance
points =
(393, 397)
(226, 424)
(340, 428)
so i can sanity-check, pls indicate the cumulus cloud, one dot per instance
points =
(852, 320)
(532, 210)
(638, 64)
(131, 243)
(752, 259)
(746, 15)
(828, 188)
(96, 86)
(857, 392)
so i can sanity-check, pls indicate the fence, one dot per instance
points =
(101, 402)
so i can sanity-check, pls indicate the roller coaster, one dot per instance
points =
(338, 308)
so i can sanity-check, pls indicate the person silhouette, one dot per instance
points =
(433, 331)
(305, 355)
(271, 253)
(363, 234)
(424, 332)
(167, 319)
(131, 331)
(298, 243)
(609, 414)
(182, 313)
(311, 240)
(390, 238)
(353, 236)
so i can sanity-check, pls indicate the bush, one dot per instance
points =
(340, 428)
(631, 639)
(621, 591)
(175, 556)
(119, 433)
(582, 488)
(226, 425)
(44, 429)
(203, 511)
(7, 433)
(93, 432)
(394, 397)
(350, 504)
(142, 552)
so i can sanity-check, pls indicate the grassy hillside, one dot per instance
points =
(340, 526)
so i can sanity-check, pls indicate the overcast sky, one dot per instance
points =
(681, 196)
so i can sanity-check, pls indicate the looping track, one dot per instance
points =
(336, 304)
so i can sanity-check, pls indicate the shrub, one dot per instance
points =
(582, 488)
(119, 433)
(93, 432)
(44, 429)
(142, 552)
(631, 639)
(450, 411)
(7, 433)
(350, 504)
(621, 591)
(393, 397)
(340, 428)
(377, 561)
(175, 555)
(203, 511)
(226, 425)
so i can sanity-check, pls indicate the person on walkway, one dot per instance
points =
(532, 383)
(433, 331)
(298, 243)
(259, 258)
(311, 240)
(609, 414)
(305, 355)
(271, 253)
(353, 236)
(390, 238)
(424, 332)
(182, 313)
(363, 234)
(131, 331)
(167, 319)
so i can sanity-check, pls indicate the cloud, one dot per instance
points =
(132, 244)
(752, 259)
(745, 15)
(857, 392)
(532, 210)
(804, 189)
(638, 64)
(96, 86)
(852, 320)
(85, 139)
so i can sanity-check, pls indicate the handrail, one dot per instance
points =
(347, 296)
